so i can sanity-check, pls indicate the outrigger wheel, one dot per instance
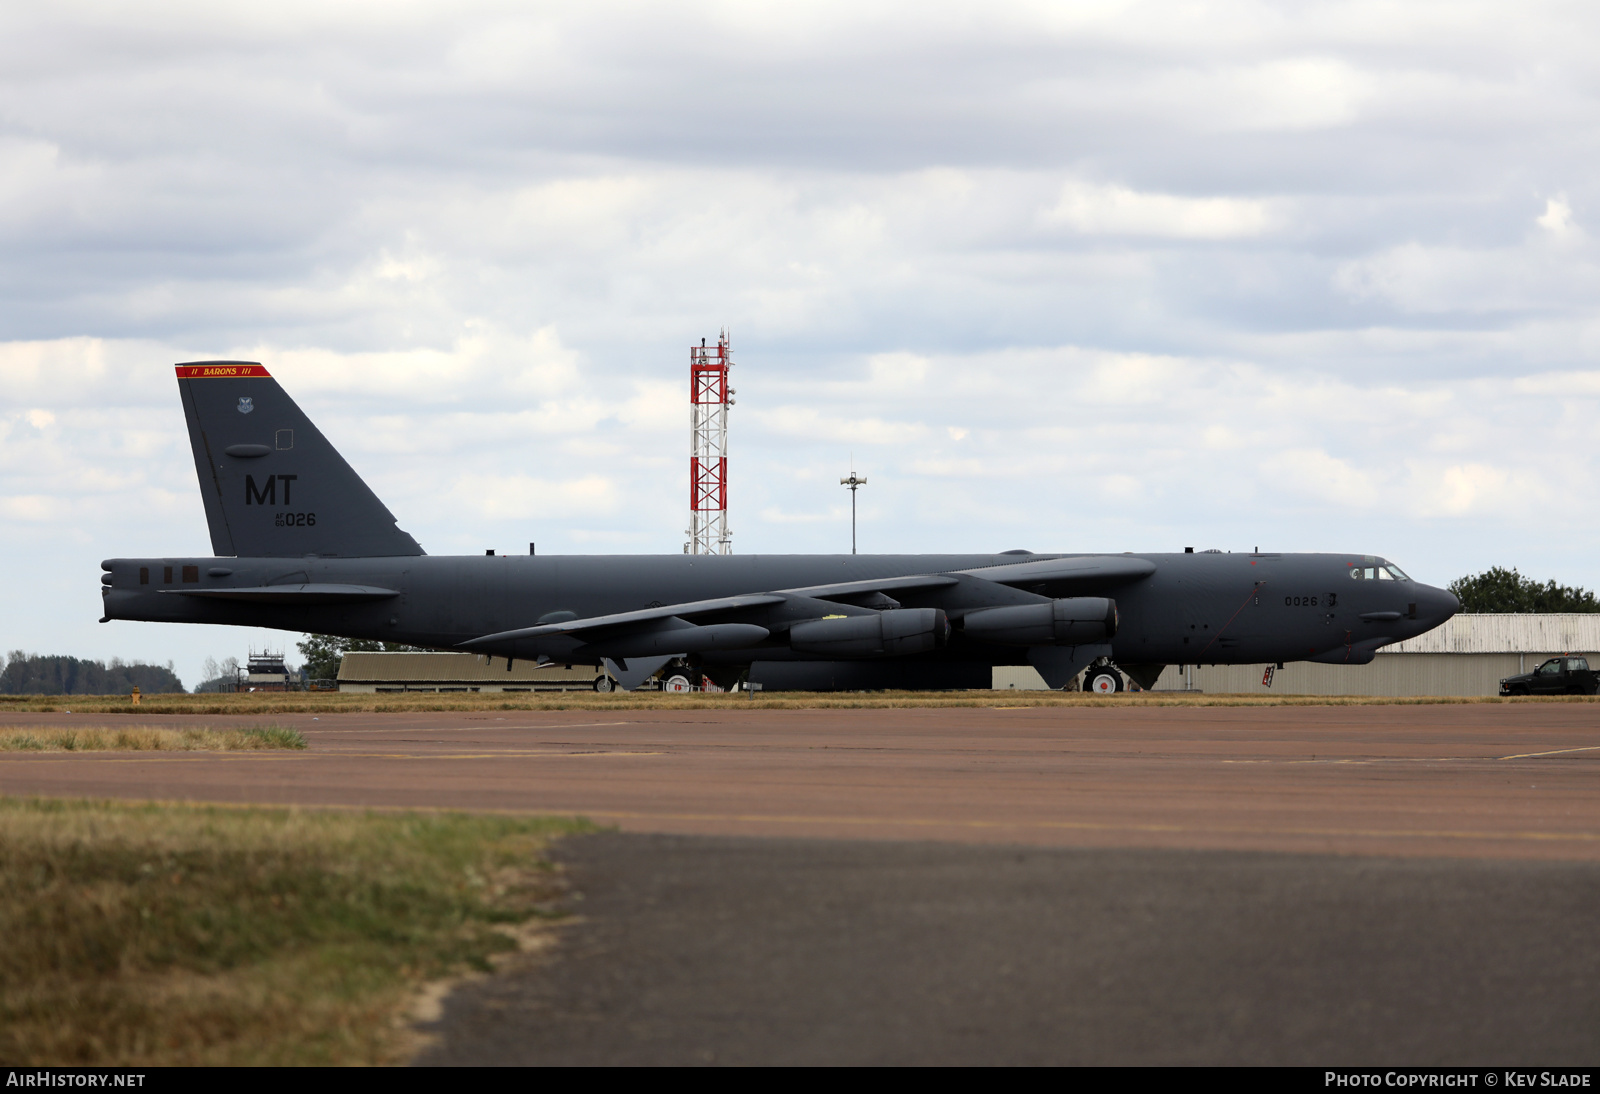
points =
(1103, 680)
(603, 683)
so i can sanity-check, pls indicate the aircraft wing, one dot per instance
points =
(1076, 574)
(1079, 572)
(670, 630)
(604, 626)
(851, 590)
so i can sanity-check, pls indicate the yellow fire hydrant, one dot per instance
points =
(136, 695)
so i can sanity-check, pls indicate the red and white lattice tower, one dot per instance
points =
(709, 400)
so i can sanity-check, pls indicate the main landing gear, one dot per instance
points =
(1102, 680)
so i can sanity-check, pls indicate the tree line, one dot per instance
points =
(1500, 591)
(33, 674)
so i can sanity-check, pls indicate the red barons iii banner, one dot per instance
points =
(199, 372)
(1266, 677)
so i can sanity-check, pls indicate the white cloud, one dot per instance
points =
(1531, 276)
(1117, 210)
(1557, 216)
(524, 497)
(1464, 489)
(1294, 93)
(34, 508)
(773, 514)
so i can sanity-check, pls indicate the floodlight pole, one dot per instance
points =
(853, 482)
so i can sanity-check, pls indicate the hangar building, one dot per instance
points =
(392, 672)
(1468, 655)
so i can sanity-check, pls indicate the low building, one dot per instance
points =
(397, 672)
(266, 671)
(1468, 655)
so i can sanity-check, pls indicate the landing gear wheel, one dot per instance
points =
(1104, 680)
(604, 683)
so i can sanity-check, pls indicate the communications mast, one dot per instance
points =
(709, 400)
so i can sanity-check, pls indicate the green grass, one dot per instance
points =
(147, 739)
(148, 935)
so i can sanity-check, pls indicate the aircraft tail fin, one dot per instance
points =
(272, 484)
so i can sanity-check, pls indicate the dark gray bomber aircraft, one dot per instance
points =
(303, 544)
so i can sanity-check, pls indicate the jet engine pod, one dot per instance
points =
(684, 638)
(1073, 621)
(881, 634)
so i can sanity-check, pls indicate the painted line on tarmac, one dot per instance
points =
(1553, 752)
(1377, 760)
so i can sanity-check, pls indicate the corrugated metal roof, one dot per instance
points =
(1567, 632)
(409, 668)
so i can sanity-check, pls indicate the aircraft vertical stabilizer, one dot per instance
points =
(272, 484)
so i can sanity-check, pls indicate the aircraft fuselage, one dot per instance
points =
(1204, 608)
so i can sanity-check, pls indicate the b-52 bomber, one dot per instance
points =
(301, 543)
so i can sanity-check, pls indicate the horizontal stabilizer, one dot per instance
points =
(292, 594)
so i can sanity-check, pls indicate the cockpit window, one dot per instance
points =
(1386, 572)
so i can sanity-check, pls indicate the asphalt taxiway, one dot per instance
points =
(1515, 780)
(1319, 884)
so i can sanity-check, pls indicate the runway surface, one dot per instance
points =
(718, 950)
(1303, 885)
(1503, 780)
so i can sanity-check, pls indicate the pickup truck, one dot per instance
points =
(1557, 676)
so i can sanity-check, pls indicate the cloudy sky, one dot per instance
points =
(1063, 276)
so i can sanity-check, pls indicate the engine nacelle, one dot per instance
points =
(882, 634)
(1074, 621)
(683, 638)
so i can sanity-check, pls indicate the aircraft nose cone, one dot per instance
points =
(1436, 605)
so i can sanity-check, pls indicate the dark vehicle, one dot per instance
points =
(1557, 676)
